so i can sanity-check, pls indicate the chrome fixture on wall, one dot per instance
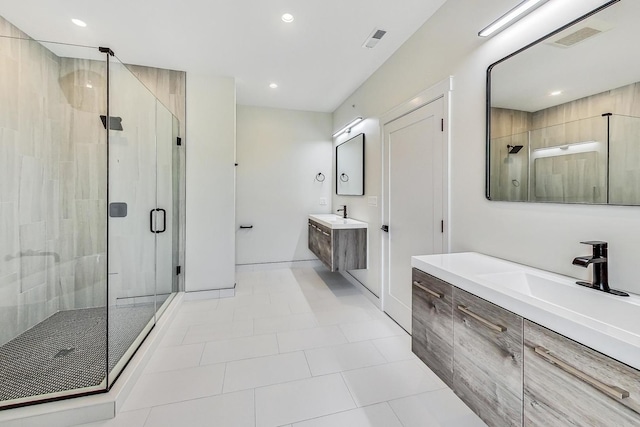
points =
(320, 177)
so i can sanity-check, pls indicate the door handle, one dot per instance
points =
(164, 221)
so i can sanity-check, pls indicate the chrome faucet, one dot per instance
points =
(343, 210)
(600, 268)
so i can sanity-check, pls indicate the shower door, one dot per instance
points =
(141, 213)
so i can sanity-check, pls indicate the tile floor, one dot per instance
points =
(294, 348)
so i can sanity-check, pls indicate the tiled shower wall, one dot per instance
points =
(53, 181)
(509, 125)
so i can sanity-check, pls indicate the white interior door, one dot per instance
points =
(413, 201)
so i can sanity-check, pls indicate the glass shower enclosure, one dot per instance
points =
(89, 205)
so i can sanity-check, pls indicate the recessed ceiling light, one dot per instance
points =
(273, 85)
(79, 22)
(556, 93)
(287, 17)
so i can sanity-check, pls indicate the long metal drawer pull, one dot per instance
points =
(429, 291)
(325, 233)
(485, 322)
(609, 390)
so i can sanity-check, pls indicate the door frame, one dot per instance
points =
(442, 90)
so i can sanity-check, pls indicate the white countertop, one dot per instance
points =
(334, 221)
(607, 323)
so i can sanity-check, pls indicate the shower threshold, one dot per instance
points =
(66, 354)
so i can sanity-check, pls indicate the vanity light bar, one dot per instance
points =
(348, 126)
(511, 16)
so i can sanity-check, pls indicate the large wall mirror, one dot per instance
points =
(350, 167)
(563, 114)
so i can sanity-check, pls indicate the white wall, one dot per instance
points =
(210, 145)
(279, 154)
(543, 235)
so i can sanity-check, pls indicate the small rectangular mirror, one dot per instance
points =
(350, 167)
(563, 114)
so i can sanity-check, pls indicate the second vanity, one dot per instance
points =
(522, 346)
(340, 243)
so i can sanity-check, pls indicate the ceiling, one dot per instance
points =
(597, 64)
(317, 60)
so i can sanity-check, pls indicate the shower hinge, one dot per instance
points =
(178, 270)
(179, 141)
(442, 226)
(441, 125)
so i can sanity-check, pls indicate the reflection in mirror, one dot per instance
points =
(564, 114)
(350, 167)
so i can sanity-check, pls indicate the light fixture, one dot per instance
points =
(562, 150)
(79, 22)
(273, 85)
(287, 17)
(556, 93)
(347, 128)
(511, 16)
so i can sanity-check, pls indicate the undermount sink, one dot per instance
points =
(337, 221)
(612, 310)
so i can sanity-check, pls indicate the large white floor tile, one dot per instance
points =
(259, 311)
(379, 415)
(239, 348)
(371, 329)
(262, 371)
(301, 400)
(310, 338)
(344, 357)
(441, 408)
(226, 410)
(203, 317)
(291, 322)
(173, 358)
(123, 419)
(199, 305)
(175, 386)
(217, 332)
(395, 349)
(244, 301)
(390, 381)
(340, 314)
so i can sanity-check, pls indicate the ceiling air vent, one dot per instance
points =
(579, 33)
(577, 37)
(374, 38)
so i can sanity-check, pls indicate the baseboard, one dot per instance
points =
(363, 289)
(278, 265)
(210, 294)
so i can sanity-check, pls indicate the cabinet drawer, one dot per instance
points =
(568, 384)
(487, 371)
(432, 324)
(320, 242)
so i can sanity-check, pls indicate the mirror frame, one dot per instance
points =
(363, 165)
(487, 184)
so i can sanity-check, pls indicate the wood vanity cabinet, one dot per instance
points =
(432, 324)
(568, 384)
(487, 359)
(339, 249)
